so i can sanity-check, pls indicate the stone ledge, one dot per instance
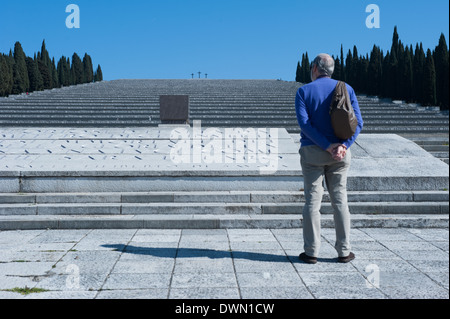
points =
(216, 196)
(213, 222)
(219, 208)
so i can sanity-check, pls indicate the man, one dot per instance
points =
(324, 155)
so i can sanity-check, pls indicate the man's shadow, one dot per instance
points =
(167, 252)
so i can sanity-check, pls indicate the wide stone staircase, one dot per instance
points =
(92, 156)
(199, 210)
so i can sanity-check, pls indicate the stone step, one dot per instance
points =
(435, 147)
(208, 106)
(441, 155)
(212, 221)
(385, 129)
(234, 202)
(151, 121)
(237, 121)
(291, 126)
(84, 123)
(65, 111)
(202, 102)
(216, 197)
(236, 116)
(136, 180)
(212, 109)
(440, 143)
(197, 95)
(217, 208)
(76, 117)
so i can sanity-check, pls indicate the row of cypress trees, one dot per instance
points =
(403, 73)
(20, 73)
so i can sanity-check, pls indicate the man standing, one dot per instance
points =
(324, 155)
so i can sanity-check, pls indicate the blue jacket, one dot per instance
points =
(312, 106)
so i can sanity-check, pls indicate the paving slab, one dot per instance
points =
(204, 293)
(153, 293)
(402, 263)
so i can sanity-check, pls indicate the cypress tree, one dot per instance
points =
(77, 69)
(342, 64)
(21, 82)
(5, 75)
(441, 60)
(364, 72)
(68, 72)
(306, 66)
(349, 68)
(337, 75)
(64, 71)
(39, 79)
(407, 76)
(418, 65)
(298, 72)
(45, 67)
(385, 89)
(55, 80)
(88, 69)
(395, 42)
(429, 80)
(46, 77)
(36, 83)
(392, 70)
(2, 76)
(356, 66)
(98, 76)
(400, 71)
(302, 71)
(59, 69)
(374, 72)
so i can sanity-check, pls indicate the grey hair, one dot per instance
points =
(325, 64)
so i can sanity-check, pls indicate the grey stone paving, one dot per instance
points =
(394, 263)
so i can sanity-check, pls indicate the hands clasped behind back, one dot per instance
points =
(337, 151)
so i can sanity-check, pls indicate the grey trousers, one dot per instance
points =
(317, 164)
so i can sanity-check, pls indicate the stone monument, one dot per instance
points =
(174, 109)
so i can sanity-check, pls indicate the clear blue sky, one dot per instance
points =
(228, 39)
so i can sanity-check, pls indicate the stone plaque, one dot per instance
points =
(174, 109)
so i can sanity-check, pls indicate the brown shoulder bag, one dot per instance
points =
(343, 118)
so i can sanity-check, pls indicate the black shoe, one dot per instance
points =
(347, 259)
(307, 259)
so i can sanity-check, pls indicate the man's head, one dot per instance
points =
(323, 65)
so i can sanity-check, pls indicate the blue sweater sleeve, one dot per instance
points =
(305, 123)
